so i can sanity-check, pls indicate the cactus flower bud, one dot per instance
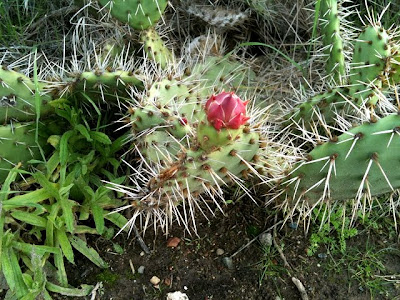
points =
(226, 110)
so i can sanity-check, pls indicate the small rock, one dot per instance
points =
(155, 280)
(167, 281)
(177, 296)
(142, 253)
(265, 239)
(173, 242)
(228, 262)
(140, 270)
(220, 251)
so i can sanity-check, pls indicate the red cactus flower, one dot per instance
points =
(226, 110)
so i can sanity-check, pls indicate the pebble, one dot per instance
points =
(140, 270)
(220, 251)
(173, 242)
(177, 296)
(167, 281)
(228, 262)
(142, 253)
(266, 239)
(155, 280)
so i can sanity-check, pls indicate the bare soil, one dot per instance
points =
(195, 268)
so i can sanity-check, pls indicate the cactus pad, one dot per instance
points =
(17, 97)
(138, 14)
(17, 145)
(363, 161)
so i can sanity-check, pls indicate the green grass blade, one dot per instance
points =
(98, 216)
(64, 147)
(117, 219)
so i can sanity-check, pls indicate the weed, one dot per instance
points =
(332, 230)
(269, 265)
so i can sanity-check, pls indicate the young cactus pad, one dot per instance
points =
(139, 14)
(362, 161)
(369, 64)
(332, 41)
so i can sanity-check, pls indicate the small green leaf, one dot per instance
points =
(64, 146)
(117, 219)
(31, 248)
(89, 252)
(98, 216)
(83, 130)
(12, 272)
(61, 273)
(100, 137)
(66, 248)
(53, 162)
(29, 218)
(82, 292)
(27, 200)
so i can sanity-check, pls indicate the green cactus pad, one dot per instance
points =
(369, 64)
(160, 147)
(18, 145)
(102, 86)
(197, 171)
(216, 74)
(179, 96)
(320, 104)
(107, 81)
(363, 161)
(209, 138)
(155, 47)
(17, 97)
(332, 41)
(139, 14)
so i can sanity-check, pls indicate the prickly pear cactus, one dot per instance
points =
(192, 154)
(137, 13)
(368, 73)
(155, 47)
(18, 145)
(371, 52)
(361, 162)
(108, 85)
(17, 97)
(332, 41)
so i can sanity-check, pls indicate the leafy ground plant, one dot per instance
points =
(41, 228)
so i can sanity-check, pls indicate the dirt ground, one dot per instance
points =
(195, 269)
